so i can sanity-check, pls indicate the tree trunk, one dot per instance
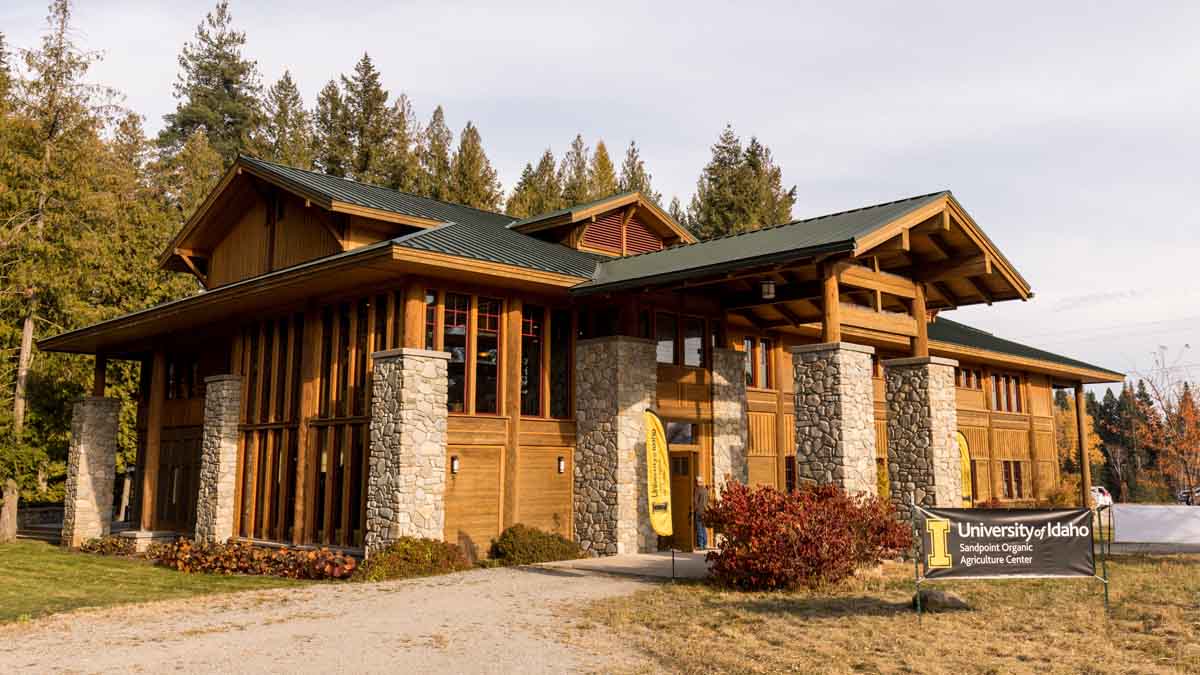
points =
(8, 512)
(23, 359)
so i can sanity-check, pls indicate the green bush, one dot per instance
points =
(524, 545)
(109, 545)
(409, 557)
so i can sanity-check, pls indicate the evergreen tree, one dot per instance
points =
(5, 74)
(186, 177)
(634, 177)
(402, 164)
(573, 174)
(602, 178)
(739, 189)
(473, 181)
(331, 133)
(771, 204)
(217, 88)
(677, 212)
(538, 191)
(368, 121)
(287, 133)
(518, 204)
(435, 157)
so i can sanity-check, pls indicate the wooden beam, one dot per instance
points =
(981, 290)
(628, 215)
(920, 341)
(955, 268)
(414, 315)
(939, 245)
(511, 511)
(154, 410)
(306, 436)
(885, 322)
(808, 290)
(945, 292)
(831, 325)
(850, 274)
(192, 266)
(1085, 467)
(900, 242)
(100, 375)
(789, 314)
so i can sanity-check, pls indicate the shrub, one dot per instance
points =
(412, 557)
(109, 545)
(234, 557)
(772, 540)
(525, 545)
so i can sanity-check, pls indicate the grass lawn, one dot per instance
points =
(866, 626)
(38, 579)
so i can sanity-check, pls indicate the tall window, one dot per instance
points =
(531, 360)
(764, 364)
(968, 378)
(664, 334)
(748, 347)
(430, 318)
(487, 356)
(560, 363)
(1014, 488)
(454, 340)
(693, 342)
(1006, 393)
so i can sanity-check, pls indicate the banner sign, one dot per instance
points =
(658, 475)
(979, 543)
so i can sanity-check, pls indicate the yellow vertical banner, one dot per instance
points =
(658, 475)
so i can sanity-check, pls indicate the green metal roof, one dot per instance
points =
(796, 240)
(945, 330)
(565, 210)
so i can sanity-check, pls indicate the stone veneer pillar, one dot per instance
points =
(406, 474)
(924, 466)
(91, 469)
(729, 416)
(615, 383)
(218, 458)
(835, 416)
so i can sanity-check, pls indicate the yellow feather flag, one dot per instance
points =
(658, 475)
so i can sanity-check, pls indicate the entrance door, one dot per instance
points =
(964, 453)
(683, 477)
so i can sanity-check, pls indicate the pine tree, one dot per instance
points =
(435, 157)
(739, 189)
(518, 204)
(473, 181)
(538, 191)
(634, 177)
(287, 134)
(187, 176)
(401, 162)
(602, 177)
(677, 212)
(573, 174)
(772, 205)
(330, 132)
(368, 121)
(217, 88)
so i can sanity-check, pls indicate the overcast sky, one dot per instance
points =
(1068, 130)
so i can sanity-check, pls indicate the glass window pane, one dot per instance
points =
(454, 340)
(531, 360)
(681, 433)
(560, 363)
(693, 342)
(487, 356)
(764, 364)
(748, 347)
(664, 331)
(430, 317)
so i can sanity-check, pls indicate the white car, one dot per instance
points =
(1101, 497)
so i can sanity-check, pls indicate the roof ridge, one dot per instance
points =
(782, 225)
(373, 185)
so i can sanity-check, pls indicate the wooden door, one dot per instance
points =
(684, 464)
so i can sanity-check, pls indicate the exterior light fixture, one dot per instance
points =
(562, 464)
(767, 286)
(454, 464)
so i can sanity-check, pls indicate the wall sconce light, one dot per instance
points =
(454, 464)
(767, 286)
(562, 464)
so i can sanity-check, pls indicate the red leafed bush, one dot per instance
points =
(242, 558)
(772, 540)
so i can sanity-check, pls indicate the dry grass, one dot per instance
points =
(866, 625)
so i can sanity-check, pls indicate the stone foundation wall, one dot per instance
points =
(406, 474)
(923, 457)
(835, 416)
(615, 383)
(730, 424)
(218, 458)
(91, 468)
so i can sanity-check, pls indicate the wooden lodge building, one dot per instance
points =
(364, 364)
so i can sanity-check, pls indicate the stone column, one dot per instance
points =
(729, 416)
(615, 381)
(91, 469)
(406, 473)
(924, 465)
(835, 416)
(218, 458)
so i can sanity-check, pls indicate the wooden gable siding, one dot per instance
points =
(605, 234)
(302, 234)
(242, 252)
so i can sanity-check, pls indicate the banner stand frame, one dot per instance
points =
(1105, 551)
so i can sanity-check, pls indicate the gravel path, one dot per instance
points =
(483, 621)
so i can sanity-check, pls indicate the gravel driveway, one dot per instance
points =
(483, 621)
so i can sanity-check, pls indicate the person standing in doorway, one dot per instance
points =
(699, 503)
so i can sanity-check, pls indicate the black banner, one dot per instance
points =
(979, 543)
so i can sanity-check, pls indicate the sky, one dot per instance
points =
(1068, 130)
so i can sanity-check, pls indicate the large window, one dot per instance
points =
(758, 362)
(454, 340)
(560, 363)
(487, 356)
(665, 337)
(693, 342)
(1006, 393)
(532, 318)
(1014, 488)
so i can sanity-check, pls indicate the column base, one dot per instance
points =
(143, 539)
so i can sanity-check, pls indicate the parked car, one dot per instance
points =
(1191, 498)
(1101, 497)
